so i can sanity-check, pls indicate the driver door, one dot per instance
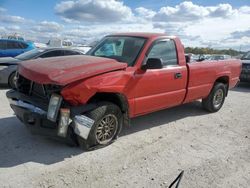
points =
(161, 88)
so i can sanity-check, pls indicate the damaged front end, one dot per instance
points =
(44, 111)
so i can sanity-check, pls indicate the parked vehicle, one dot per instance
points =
(219, 57)
(206, 56)
(40, 45)
(15, 36)
(59, 43)
(190, 58)
(8, 65)
(87, 99)
(12, 48)
(83, 48)
(245, 73)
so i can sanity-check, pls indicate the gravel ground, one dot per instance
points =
(212, 149)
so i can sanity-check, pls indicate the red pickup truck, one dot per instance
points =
(88, 98)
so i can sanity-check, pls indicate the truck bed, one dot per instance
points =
(202, 76)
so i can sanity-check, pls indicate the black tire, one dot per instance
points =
(12, 80)
(215, 99)
(105, 111)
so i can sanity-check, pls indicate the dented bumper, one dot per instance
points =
(34, 115)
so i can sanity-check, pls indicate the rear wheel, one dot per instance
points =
(12, 80)
(108, 122)
(215, 99)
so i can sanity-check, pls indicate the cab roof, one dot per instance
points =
(140, 34)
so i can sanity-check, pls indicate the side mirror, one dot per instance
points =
(153, 63)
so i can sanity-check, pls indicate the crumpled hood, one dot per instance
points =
(67, 69)
(8, 61)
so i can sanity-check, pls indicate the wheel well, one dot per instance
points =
(224, 80)
(116, 98)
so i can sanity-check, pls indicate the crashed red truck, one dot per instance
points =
(87, 99)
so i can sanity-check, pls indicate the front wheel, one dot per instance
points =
(215, 99)
(108, 123)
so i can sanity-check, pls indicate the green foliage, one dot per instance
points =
(197, 50)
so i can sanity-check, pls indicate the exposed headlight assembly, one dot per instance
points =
(54, 105)
(64, 122)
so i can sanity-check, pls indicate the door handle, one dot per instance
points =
(177, 75)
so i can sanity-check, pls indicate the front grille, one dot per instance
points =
(30, 88)
(38, 90)
(23, 84)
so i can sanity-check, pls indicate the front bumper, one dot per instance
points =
(33, 113)
(35, 119)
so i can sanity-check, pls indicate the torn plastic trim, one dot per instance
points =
(28, 106)
(82, 125)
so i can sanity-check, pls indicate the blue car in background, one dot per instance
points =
(12, 48)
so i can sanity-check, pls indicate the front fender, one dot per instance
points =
(81, 91)
(77, 93)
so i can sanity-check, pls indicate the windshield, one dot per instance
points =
(246, 56)
(122, 49)
(29, 55)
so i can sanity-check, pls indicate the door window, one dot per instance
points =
(166, 51)
(22, 45)
(13, 45)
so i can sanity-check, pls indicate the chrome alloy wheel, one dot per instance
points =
(106, 129)
(218, 98)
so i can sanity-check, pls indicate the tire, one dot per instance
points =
(215, 99)
(108, 122)
(12, 80)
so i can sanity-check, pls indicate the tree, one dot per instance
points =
(198, 50)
